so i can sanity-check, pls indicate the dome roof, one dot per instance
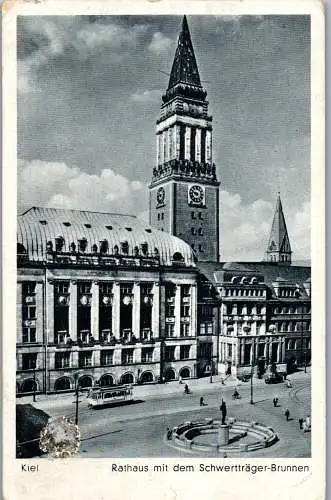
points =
(38, 226)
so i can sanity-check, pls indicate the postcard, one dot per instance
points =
(164, 262)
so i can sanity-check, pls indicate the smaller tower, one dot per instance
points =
(279, 248)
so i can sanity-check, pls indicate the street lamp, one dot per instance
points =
(77, 396)
(252, 371)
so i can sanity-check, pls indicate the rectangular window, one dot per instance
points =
(29, 361)
(29, 315)
(200, 248)
(126, 289)
(170, 329)
(147, 355)
(184, 330)
(186, 289)
(61, 287)
(185, 352)
(84, 359)
(193, 215)
(200, 216)
(202, 329)
(107, 357)
(105, 288)
(127, 356)
(62, 359)
(170, 353)
(170, 310)
(200, 231)
(185, 310)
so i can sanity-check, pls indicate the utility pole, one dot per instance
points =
(252, 371)
(76, 399)
(34, 385)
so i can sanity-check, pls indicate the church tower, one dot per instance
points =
(184, 192)
(279, 248)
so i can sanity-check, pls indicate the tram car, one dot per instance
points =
(107, 396)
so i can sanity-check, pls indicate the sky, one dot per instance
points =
(89, 94)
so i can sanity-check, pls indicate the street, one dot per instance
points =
(137, 430)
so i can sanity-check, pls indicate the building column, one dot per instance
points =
(116, 310)
(198, 144)
(19, 319)
(270, 350)
(158, 149)
(237, 353)
(170, 144)
(242, 352)
(176, 130)
(118, 356)
(177, 352)
(283, 351)
(208, 146)
(51, 360)
(74, 360)
(136, 310)
(73, 311)
(156, 311)
(96, 357)
(193, 311)
(95, 309)
(50, 310)
(187, 142)
(266, 347)
(137, 355)
(39, 313)
(251, 355)
(164, 145)
(279, 352)
(177, 311)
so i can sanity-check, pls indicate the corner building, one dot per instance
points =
(102, 297)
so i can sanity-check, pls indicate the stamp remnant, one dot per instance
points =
(60, 438)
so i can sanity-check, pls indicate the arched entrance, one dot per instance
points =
(29, 385)
(85, 381)
(62, 384)
(170, 374)
(146, 377)
(127, 378)
(106, 380)
(185, 373)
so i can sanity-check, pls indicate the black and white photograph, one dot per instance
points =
(166, 224)
(163, 234)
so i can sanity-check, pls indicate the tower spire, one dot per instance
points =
(184, 68)
(279, 248)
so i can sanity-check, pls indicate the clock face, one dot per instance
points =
(196, 194)
(160, 195)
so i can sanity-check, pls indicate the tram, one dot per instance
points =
(102, 396)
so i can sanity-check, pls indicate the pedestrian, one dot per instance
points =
(275, 401)
(287, 414)
(180, 379)
(202, 403)
(301, 423)
(223, 411)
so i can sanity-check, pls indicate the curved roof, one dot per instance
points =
(37, 226)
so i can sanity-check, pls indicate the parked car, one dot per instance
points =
(273, 378)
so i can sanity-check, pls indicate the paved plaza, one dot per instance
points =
(138, 430)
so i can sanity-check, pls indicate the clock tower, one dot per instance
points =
(184, 192)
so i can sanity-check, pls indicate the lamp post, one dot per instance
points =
(252, 371)
(34, 385)
(76, 398)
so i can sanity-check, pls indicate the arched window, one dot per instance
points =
(146, 377)
(85, 381)
(106, 380)
(170, 374)
(127, 378)
(185, 373)
(29, 385)
(62, 384)
(177, 257)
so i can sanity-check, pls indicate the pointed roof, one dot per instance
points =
(279, 240)
(184, 68)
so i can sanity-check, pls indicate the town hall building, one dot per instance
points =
(106, 299)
